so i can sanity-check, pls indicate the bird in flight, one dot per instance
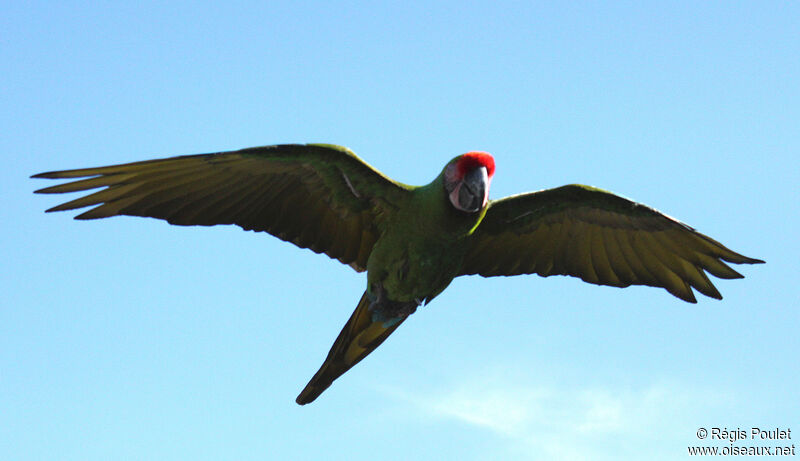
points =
(411, 240)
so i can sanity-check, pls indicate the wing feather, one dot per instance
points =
(602, 266)
(662, 272)
(614, 256)
(600, 237)
(321, 197)
(542, 265)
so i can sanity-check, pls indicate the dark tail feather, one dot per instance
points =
(358, 338)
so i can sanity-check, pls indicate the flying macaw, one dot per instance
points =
(411, 240)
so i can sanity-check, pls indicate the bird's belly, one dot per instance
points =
(415, 270)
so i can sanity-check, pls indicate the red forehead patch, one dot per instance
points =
(476, 159)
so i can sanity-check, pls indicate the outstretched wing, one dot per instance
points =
(316, 196)
(600, 237)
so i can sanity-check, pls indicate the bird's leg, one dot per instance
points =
(375, 294)
(387, 311)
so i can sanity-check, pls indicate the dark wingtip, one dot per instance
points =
(47, 175)
(737, 258)
(43, 190)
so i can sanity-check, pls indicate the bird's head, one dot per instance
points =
(466, 180)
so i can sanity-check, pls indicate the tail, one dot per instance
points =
(358, 338)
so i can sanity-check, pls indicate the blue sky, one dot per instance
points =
(131, 339)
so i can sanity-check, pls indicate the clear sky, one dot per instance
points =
(129, 338)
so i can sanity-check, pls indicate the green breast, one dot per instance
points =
(422, 249)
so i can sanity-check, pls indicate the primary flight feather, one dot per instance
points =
(412, 241)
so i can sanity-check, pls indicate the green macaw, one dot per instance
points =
(411, 240)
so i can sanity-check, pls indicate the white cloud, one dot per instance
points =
(655, 421)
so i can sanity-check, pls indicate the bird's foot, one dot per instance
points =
(387, 311)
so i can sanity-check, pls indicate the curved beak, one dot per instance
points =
(473, 192)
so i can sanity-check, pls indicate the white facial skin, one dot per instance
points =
(469, 193)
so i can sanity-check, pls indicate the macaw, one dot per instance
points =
(411, 240)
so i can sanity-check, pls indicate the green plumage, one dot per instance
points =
(412, 241)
